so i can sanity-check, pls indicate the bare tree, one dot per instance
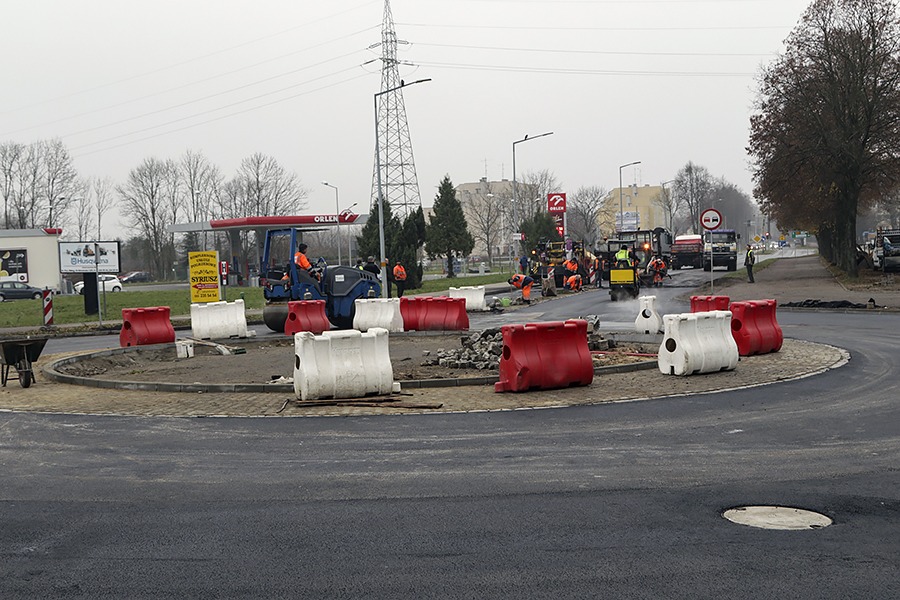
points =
(486, 217)
(584, 208)
(671, 205)
(200, 181)
(60, 186)
(145, 197)
(103, 199)
(10, 163)
(531, 194)
(694, 185)
(81, 208)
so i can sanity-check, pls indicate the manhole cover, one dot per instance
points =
(777, 517)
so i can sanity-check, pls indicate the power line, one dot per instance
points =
(194, 83)
(184, 62)
(516, 69)
(600, 52)
(191, 126)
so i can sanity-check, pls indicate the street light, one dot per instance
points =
(384, 279)
(621, 205)
(337, 208)
(515, 223)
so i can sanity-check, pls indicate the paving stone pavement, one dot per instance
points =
(795, 360)
(793, 279)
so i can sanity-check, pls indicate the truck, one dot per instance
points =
(687, 251)
(887, 249)
(282, 282)
(720, 249)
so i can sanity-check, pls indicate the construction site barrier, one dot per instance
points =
(438, 313)
(545, 356)
(377, 312)
(342, 364)
(473, 295)
(217, 320)
(648, 319)
(143, 326)
(708, 303)
(697, 343)
(755, 327)
(306, 315)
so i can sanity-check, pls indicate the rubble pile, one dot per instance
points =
(480, 350)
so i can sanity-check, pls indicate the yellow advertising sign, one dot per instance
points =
(204, 277)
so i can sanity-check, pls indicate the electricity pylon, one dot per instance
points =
(399, 184)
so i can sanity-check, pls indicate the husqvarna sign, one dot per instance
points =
(556, 202)
(89, 257)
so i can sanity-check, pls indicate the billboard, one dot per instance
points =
(205, 281)
(14, 265)
(89, 257)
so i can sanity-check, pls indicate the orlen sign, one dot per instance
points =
(556, 203)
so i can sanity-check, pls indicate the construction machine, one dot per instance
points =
(283, 281)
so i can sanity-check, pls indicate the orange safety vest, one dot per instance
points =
(571, 265)
(399, 273)
(301, 261)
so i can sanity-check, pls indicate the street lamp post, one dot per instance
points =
(337, 208)
(384, 276)
(621, 223)
(515, 223)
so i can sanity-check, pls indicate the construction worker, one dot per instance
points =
(399, 278)
(657, 267)
(300, 258)
(571, 266)
(623, 257)
(524, 283)
(573, 283)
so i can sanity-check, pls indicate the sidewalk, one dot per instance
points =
(807, 278)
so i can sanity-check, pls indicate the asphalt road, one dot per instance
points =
(612, 501)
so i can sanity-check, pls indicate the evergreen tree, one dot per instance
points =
(539, 226)
(447, 234)
(368, 241)
(405, 247)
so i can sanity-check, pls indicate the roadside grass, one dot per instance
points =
(70, 309)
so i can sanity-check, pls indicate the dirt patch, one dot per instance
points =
(265, 361)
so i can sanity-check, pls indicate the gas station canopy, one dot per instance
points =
(310, 222)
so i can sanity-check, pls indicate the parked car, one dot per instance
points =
(107, 283)
(136, 277)
(13, 290)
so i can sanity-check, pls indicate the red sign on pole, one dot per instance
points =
(556, 202)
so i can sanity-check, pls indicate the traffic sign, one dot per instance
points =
(710, 219)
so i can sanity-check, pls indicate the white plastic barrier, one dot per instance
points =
(342, 364)
(217, 320)
(474, 296)
(697, 343)
(377, 312)
(648, 319)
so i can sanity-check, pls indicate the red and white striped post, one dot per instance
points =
(47, 297)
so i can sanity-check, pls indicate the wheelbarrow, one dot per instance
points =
(19, 354)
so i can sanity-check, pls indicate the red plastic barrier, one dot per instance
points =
(434, 314)
(545, 356)
(755, 328)
(306, 315)
(142, 326)
(411, 311)
(708, 303)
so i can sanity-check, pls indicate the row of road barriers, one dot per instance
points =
(422, 313)
(700, 341)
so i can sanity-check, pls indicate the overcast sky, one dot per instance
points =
(659, 81)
